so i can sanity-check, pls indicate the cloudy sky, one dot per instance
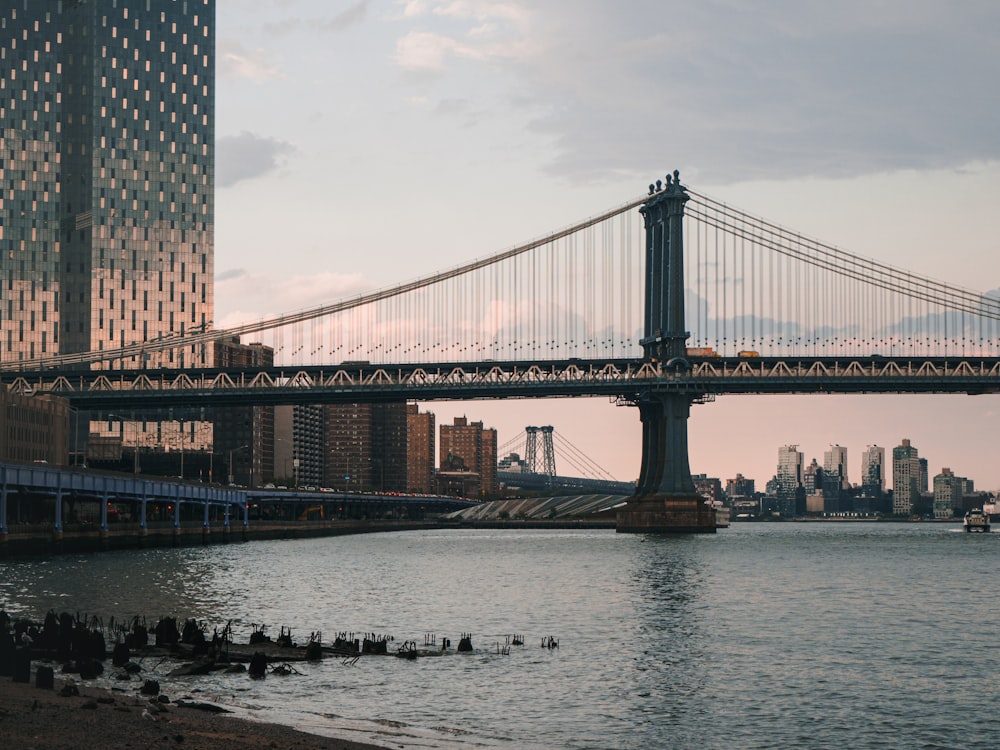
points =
(366, 143)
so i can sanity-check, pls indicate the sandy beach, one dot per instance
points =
(33, 718)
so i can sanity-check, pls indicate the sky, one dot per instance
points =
(360, 144)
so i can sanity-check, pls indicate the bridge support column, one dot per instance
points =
(665, 499)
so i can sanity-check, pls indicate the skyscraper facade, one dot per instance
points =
(107, 166)
(949, 491)
(243, 436)
(835, 482)
(873, 471)
(906, 473)
(473, 447)
(365, 446)
(835, 466)
(420, 430)
(789, 474)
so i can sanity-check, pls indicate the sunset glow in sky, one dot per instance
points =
(366, 143)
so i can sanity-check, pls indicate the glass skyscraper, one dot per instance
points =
(107, 167)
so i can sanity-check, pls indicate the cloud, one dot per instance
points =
(346, 19)
(484, 31)
(230, 274)
(256, 295)
(247, 155)
(728, 92)
(236, 62)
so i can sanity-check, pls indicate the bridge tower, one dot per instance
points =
(548, 461)
(665, 500)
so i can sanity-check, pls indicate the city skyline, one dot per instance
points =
(323, 107)
(498, 122)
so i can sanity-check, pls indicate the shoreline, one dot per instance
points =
(34, 718)
(43, 543)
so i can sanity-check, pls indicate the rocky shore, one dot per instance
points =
(72, 717)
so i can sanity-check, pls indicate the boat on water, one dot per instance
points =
(976, 520)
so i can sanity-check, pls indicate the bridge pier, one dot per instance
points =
(665, 500)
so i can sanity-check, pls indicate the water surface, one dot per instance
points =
(874, 635)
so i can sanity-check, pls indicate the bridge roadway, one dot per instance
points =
(625, 378)
(40, 494)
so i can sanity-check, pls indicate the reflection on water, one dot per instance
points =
(814, 635)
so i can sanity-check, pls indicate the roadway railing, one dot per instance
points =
(625, 378)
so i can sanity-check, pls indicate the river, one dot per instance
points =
(816, 635)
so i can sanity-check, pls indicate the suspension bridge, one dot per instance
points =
(669, 299)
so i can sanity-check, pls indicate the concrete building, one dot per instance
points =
(308, 446)
(420, 434)
(243, 435)
(873, 471)
(469, 447)
(949, 491)
(708, 487)
(34, 428)
(740, 486)
(812, 477)
(789, 474)
(906, 478)
(284, 439)
(835, 481)
(365, 447)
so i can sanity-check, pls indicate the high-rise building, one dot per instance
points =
(420, 431)
(740, 486)
(812, 478)
(107, 166)
(244, 435)
(284, 443)
(948, 493)
(472, 448)
(308, 444)
(873, 471)
(297, 456)
(789, 474)
(835, 482)
(107, 163)
(835, 467)
(906, 472)
(365, 447)
(34, 428)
